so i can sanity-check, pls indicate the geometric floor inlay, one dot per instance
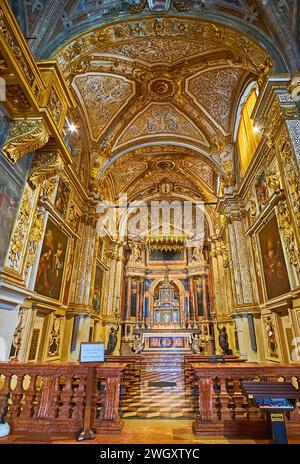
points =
(163, 395)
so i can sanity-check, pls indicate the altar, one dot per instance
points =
(167, 342)
(166, 306)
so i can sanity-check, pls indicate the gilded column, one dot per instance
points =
(239, 252)
(85, 262)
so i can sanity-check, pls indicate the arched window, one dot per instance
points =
(248, 137)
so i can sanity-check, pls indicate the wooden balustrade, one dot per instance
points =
(224, 410)
(51, 398)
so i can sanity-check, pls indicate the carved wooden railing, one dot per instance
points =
(224, 410)
(51, 398)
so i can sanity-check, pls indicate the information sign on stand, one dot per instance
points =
(91, 354)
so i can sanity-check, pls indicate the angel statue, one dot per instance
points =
(196, 344)
(137, 343)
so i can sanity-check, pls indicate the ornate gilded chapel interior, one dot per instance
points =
(110, 110)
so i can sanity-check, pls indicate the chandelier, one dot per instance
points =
(166, 242)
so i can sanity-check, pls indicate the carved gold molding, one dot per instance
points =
(25, 136)
(45, 165)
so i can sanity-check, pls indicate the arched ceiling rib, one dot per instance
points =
(161, 82)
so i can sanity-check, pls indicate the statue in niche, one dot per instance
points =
(197, 254)
(112, 341)
(223, 340)
(136, 254)
(166, 187)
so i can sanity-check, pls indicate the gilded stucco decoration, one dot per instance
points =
(45, 165)
(157, 50)
(124, 173)
(200, 169)
(18, 240)
(291, 169)
(160, 119)
(102, 96)
(13, 45)
(35, 236)
(55, 106)
(24, 137)
(215, 91)
(287, 230)
(169, 27)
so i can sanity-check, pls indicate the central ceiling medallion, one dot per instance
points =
(165, 165)
(162, 88)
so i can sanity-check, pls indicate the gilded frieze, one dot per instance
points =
(158, 50)
(168, 27)
(24, 137)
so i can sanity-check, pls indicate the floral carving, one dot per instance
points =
(159, 50)
(35, 236)
(215, 91)
(160, 119)
(285, 225)
(18, 241)
(55, 106)
(25, 137)
(14, 48)
(102, 97)
(45, 165)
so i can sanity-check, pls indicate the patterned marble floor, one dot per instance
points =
(141, 401)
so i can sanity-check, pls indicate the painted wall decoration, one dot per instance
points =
(274, 267)
(271, 337)
(97, 289)
(52, 261)
(262, 193)
(62, 198)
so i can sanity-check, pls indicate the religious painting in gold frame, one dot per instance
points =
(273, 261)
(52, 261)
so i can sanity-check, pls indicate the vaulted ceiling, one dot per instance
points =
(158, 99)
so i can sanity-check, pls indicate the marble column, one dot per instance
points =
(192, 298)
(215, 276)
(141, 302)
(128, 298)
(204, 296)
